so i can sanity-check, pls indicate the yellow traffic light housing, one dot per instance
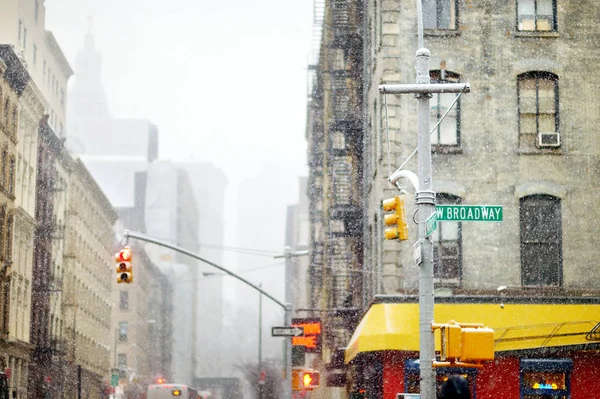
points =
(465, 344)
(397, 219)
(124, 268)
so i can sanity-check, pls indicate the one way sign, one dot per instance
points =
(287, 331)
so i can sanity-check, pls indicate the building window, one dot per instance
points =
(541, 241)
(36, 11)
(440, 14)
(536, 15)
(448, 131)
(24, 39)
(2, 229)
(20, 30)
(546, 378)
(123, 327)
(34, 54)
(11, 175)
(122, 361)
(447, 246)
(124, 300)
(4, 166)
(6, 116)
(538, 106)
(9, 236)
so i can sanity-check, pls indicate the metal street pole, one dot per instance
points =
(288, 255)
(425, 199)
(260, 381)
(287, 391)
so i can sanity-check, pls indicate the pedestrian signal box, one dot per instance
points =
(124, 269)
(465, 344)
(305, 379)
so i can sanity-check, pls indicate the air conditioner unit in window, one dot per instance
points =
(548, 139)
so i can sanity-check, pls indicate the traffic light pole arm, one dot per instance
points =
(137, 236)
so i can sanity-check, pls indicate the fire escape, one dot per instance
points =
(316, 150)
(335, 138)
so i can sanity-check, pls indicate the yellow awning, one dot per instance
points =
(395, 326)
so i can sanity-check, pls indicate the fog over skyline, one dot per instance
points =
(224, 83)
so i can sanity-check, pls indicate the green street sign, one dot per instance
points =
(430, 224)
(469, 213)
(114, 380)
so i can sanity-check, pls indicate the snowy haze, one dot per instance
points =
(224, 82)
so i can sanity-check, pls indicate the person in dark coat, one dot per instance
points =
(455, 387)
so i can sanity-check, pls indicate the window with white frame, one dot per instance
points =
(536, 15)
(538, 105)
(448, 131)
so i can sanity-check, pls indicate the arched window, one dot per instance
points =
(541, 240)
(538, 106)
(447, 246)
(448, 131)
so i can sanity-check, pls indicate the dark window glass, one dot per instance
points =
(440, 14)
(447, 246)
(541, 241)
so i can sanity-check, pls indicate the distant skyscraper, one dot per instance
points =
(209, 184)
(296, 237)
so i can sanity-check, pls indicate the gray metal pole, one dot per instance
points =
(287, 391)
(425, 199)
(260, 381)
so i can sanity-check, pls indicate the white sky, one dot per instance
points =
(224, 81)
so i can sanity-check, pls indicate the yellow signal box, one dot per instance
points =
(397, 219)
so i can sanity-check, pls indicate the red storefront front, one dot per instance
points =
(545, 348)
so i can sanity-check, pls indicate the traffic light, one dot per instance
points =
(466, 343)
(477, 344)
(396, 219)
(123, 266)
(305, 379)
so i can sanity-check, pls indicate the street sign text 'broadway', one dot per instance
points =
(469, 213)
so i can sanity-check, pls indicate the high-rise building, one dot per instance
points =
(23, 25)
(22, 109)
(209, 183)
(297, 238)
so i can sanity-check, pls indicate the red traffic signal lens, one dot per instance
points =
(125, 255)
(122, 267)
